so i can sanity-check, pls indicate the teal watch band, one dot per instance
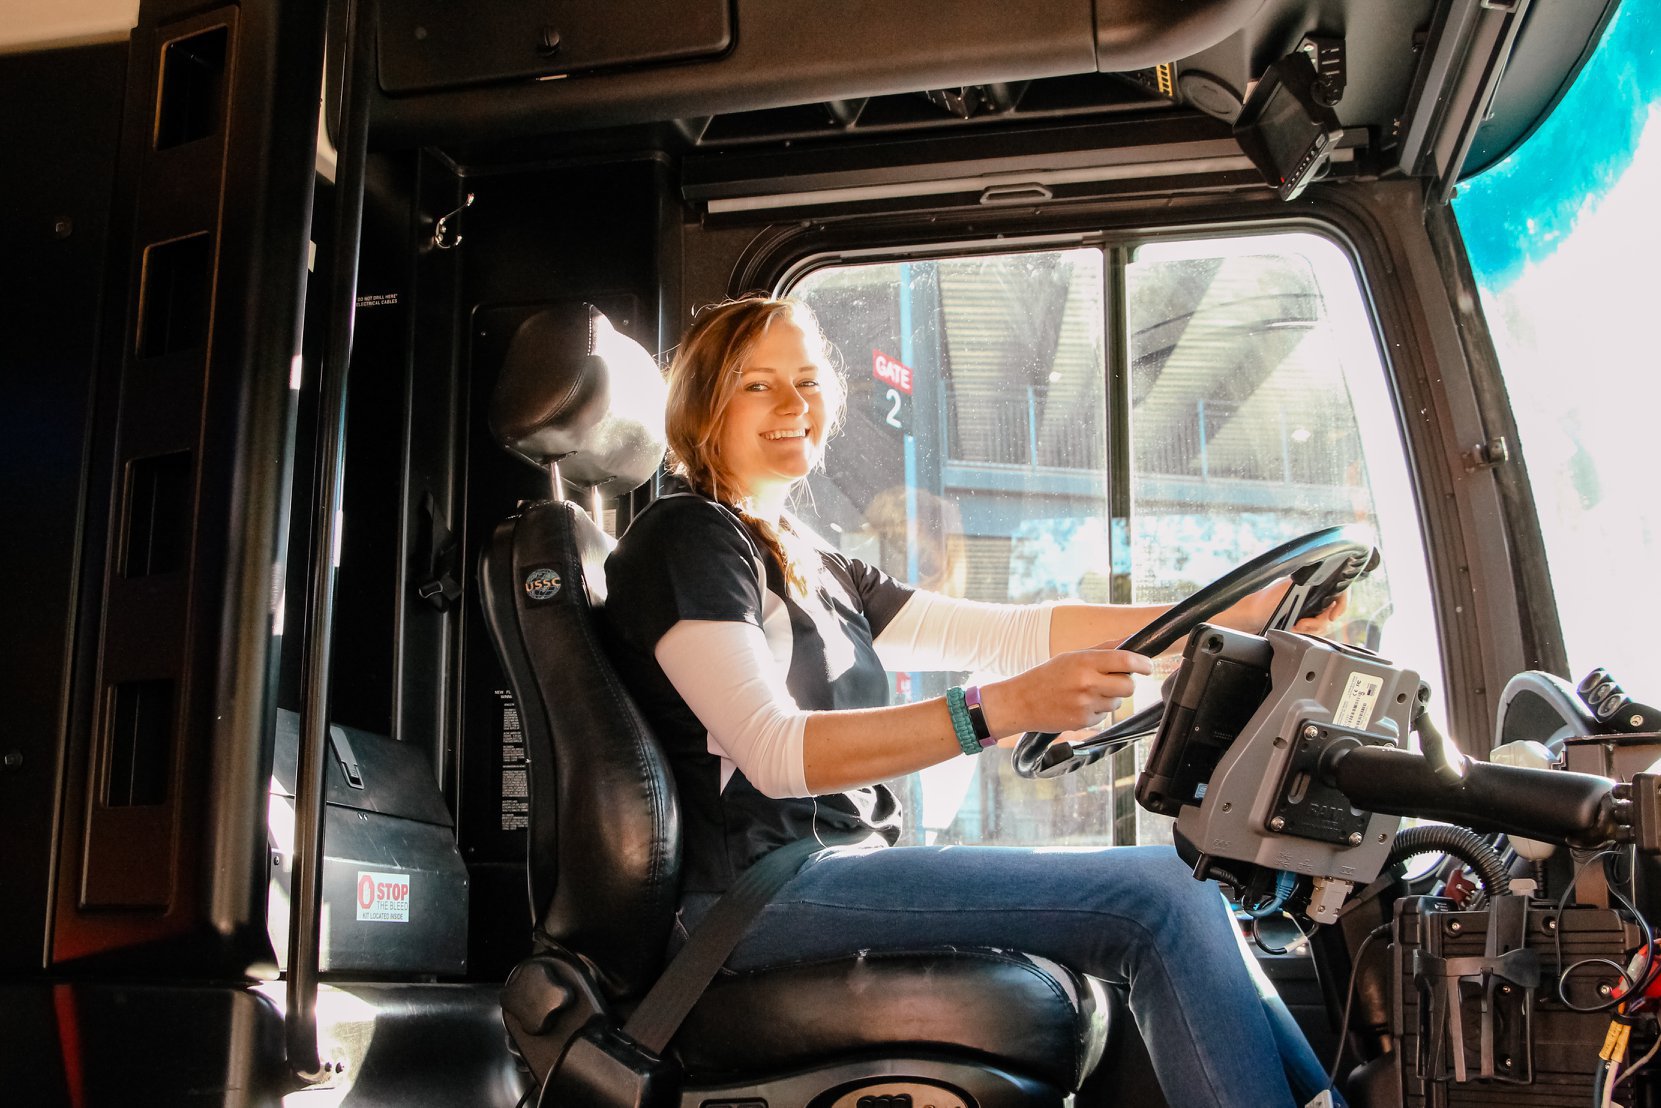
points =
(961, 723)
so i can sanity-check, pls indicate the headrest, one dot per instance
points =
(574, 391)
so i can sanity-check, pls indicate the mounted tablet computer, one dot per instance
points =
(1223, 680)
(1238, 754)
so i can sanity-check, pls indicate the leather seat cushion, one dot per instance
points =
(1024, 1014)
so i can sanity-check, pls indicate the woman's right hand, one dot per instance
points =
(1075, 689)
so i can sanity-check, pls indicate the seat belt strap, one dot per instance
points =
(668, 1001)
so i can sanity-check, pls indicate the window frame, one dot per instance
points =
(1491, 618)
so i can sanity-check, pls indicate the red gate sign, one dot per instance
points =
(891, 371)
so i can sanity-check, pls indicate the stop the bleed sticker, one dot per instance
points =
(383, 897)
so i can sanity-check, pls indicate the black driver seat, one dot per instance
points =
(983, 1026)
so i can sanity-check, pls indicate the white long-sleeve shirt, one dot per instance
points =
(755, 725)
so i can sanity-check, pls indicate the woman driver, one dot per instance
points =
(758, 654)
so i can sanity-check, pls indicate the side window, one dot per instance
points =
(1259, 411)
(984, 393)
(1562, 237)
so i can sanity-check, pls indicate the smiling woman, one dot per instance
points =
(757, 653)
(753, 397)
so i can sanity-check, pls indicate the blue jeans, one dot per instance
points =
(1133, 916)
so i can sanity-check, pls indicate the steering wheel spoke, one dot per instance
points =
(1322, 564)
(1318, 584)
(1105, 741)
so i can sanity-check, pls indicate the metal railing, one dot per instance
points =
(300, 1017)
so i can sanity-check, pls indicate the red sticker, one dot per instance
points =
(383, 897)
(891, 371)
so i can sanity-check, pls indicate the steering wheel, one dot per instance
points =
(1322, 564)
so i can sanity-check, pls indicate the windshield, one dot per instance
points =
(1564, 237)
(1244, 378)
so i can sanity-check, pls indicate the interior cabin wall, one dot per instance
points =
(391, 626)
(61, 121)
(425, 482)
(378, 415)
(149, 336)
(711, 265)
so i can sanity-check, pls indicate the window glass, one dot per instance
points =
(1563, 238)
(1259, 412)
(973, 460)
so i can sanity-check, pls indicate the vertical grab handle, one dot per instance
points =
(300, 1020)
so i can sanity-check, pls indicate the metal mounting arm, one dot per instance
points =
(1577, 808)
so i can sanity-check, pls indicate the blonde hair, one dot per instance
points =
(704, 376)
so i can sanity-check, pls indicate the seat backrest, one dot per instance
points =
(604, 822)
(604, 848)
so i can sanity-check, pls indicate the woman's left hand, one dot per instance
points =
(1255, 610)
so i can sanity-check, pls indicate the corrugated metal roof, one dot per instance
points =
(1250, 360)
(1024, 348)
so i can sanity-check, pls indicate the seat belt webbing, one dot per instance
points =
(668, 1001)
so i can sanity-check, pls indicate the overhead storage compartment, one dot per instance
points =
(485, 70)
(426, 45)
(779, 54)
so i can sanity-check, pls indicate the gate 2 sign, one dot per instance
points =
(893, 389)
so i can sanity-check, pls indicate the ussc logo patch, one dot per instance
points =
(383, 897)
(542, 584)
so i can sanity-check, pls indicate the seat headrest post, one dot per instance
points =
(556, 485)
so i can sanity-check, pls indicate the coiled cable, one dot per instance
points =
(1462, 843)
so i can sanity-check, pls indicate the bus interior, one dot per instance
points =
(316, 785)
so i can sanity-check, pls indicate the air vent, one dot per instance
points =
(974, 105)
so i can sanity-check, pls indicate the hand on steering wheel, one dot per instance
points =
(1078, 688)
(1257, 611)
(1322, 564)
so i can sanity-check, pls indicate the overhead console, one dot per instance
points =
(1415, 79)
(486, 69)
